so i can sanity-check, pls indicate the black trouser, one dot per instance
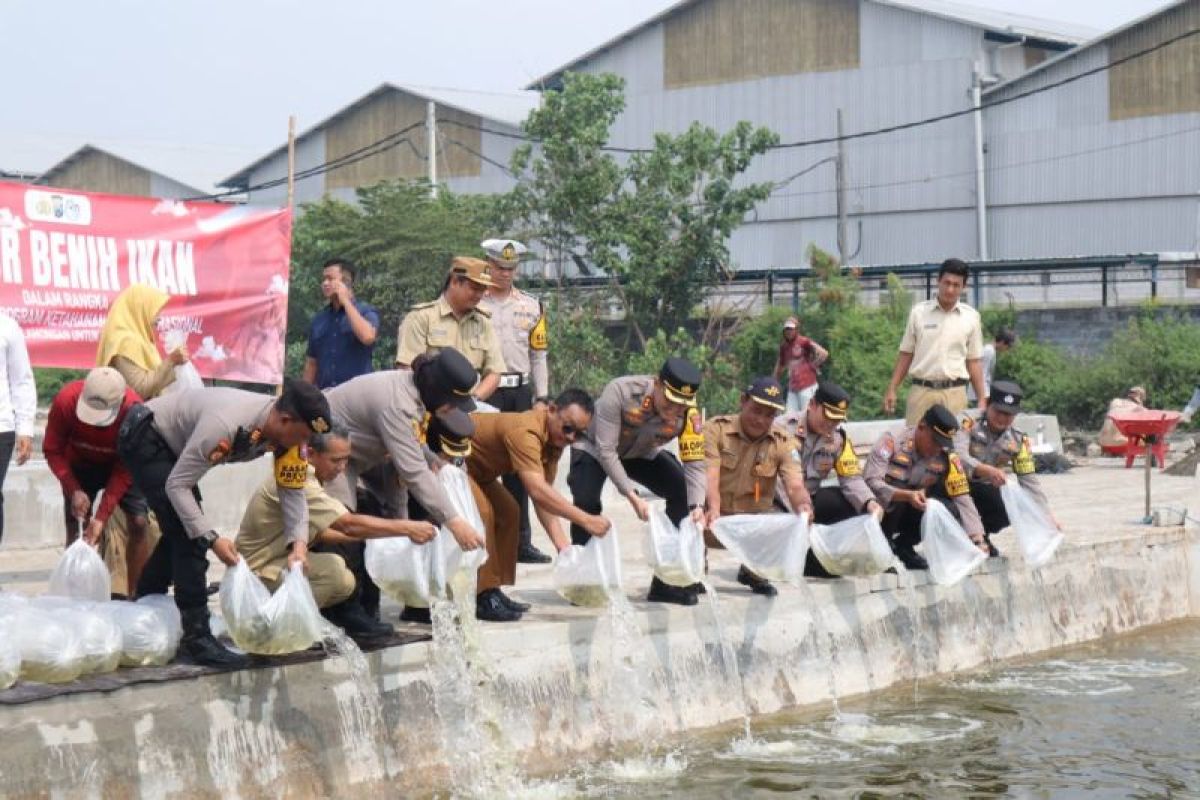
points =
(177, 560)
(355, 553)
(8, 441)
(990, 505)
(663, 475)
(519, 398)
(92, 478)
(829, 506)
(902, 524)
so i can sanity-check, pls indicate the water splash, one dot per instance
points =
(1086, 677)
(728, 656)
(823, 633)
(360, 708)
(913, 605)
(626, 698)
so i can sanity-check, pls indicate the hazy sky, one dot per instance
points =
(221, 76)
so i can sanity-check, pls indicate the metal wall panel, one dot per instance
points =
(310, 152)
(97, 171)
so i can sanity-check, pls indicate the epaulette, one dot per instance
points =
(428, 304)
(483, 312)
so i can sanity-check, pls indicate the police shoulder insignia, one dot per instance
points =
(847, 465)
(538, 338)
(291, 469)
(1024, 464)
(220, 452)
(691, 439)
(956, 479)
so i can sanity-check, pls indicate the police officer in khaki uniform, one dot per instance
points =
(455, 320)
(905, 470)
(169, 443)
(384, 412)
(261, 542)
(746, 457)
(520, 324)
(988, 444)
(636, 416)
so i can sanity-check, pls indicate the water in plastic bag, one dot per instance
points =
(404, 570)
(1037, 534)
(584, 575)
(10, 655)
(950, 552)
(676, 554)
(146, 637)
(168, 612)
(266, 624)
(773, 545)
(854, 546)
(99, 636)
(81, 573)
(49, 646)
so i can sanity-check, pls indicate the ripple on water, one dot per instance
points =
(1097, 676)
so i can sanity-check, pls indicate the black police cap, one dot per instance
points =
(447, 377)
(942, 423)
(1006, 396)
(834, 400)
(680, 380)
(450, 432)
(767, 391)
(305, 401)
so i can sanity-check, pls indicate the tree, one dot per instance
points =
(401, 241)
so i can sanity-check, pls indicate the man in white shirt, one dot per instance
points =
(1002, 342)
(18, 401)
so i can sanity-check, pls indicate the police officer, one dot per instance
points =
(988, 444)
(905, 471)
(520, 324)
(169, 443)
(384, 413)
(455, 320)
(636, 416)
(746, 457)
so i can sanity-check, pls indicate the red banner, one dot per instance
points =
(64, 256)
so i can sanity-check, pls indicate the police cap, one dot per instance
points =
(475, 270)
(767, 391)
(450, 432)
(680, 380)
(834, 400)
(445, 378)
(1006, 396)
(505, 252)
(305, 401)
(942, 424)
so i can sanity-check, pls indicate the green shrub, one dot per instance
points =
(720, 386)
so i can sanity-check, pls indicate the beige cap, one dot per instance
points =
(475, 270)
(100, 402)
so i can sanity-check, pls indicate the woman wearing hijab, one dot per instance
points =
(128, 342)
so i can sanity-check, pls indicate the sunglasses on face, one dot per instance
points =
(570, 430)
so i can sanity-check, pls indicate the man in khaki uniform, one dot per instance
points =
(941, 351)
(905, 470)
(384, 412)
(520, 324)
(636, 416)
(261, 542)
(746, 455)
(455, 320)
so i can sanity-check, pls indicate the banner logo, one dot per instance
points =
(69, 209)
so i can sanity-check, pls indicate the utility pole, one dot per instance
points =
(843, 245)
(431, 145)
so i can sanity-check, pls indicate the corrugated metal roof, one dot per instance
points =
(509, 108)
(1084, 47)
(998, 21)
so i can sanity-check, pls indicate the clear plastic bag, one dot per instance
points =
(458, 487)
(404, 570)
(950, 552)
(168, 612)
(146, 637)
(267, 624)
(854, 546)
(186, 377)
(81, 573)
(49, 646)
(773, 545)
(10, 655)
(1037, 534)
(585, 575)
(675, 554)
(99, 636)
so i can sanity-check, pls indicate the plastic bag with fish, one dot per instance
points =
(584, 575)
(81, 573)
(676, 554)
(854, 546)
(950, 552)
(1036, 532)
(269, 624)
(773, 545)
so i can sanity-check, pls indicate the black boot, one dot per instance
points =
(489, 607)
(664, 593)
(418, 615)
(515, 605)
(909, 557)
(350, 617)
(528, 554)
(993, 551)
(199, 646)
(757, 583)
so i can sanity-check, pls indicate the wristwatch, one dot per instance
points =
(545, 400)
(208, 539)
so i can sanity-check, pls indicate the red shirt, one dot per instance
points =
(797, 356)
(69, 442)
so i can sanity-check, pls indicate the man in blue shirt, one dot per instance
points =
(341, 336)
